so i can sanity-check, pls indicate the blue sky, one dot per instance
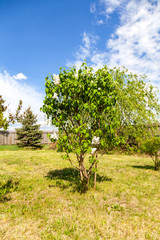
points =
(37, 37)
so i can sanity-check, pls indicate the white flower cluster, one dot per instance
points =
(95, 140)
(54, 136)
(56, 79)
(93, 150)
(76, 74)
(55, 96)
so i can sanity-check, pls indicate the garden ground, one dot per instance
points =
(40, 198)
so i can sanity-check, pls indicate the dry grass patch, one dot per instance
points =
(43, 200)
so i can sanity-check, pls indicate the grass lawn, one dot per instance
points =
(40, 198)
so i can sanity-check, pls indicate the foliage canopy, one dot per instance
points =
(107, 105)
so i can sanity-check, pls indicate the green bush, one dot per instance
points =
(152, 148)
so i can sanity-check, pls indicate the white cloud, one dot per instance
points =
(89, 42)
(100, 22)
(92, 7)
(111, 5)
(12, 91)
(20, 76)
(86, 40)
(135, 43)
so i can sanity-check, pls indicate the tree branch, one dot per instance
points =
(72, 163)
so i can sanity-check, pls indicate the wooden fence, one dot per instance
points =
(9, 138)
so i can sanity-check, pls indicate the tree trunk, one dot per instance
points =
(95, 176)
(157, 164)
(83, 174)
(157, 167)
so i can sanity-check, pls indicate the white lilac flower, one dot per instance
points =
(99, 88)
(92, 81)
(56, 79)
(55, 96)
(54, 136)
(95, 140)
(93, 150)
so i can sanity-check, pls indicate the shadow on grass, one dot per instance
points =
(147, 167)
(71, 177)
(8, 187)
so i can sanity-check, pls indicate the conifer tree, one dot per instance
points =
(29, 135)
(12, 118)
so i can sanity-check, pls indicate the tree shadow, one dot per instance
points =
(8, 187)
(146, 167)
(71, 177)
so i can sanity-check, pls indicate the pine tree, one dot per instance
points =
(29, 135)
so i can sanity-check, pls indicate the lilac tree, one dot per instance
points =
(94, 111)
